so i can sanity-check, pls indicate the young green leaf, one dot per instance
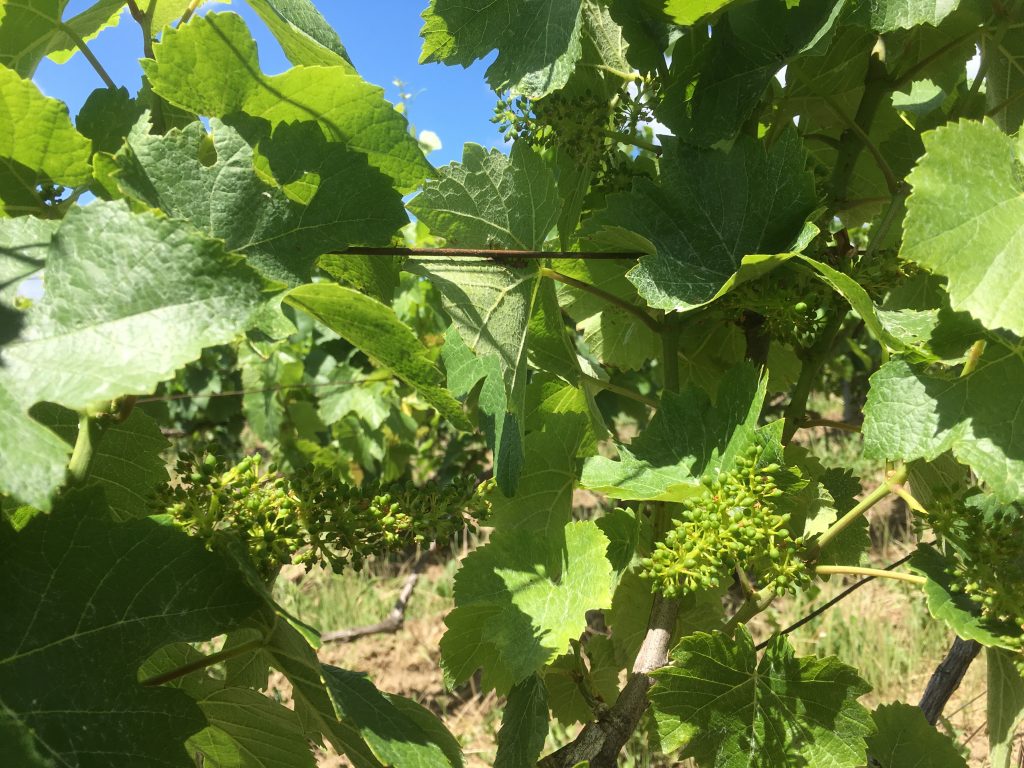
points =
(524, 725)
(1005, 706)
(912, 414)
(210, 67)
(209, 179)
(38, 145)
(904, 738)
(520, 599)
(377, 331)
(965, 219)
(688, 437)
(700, 240)
(726, 709)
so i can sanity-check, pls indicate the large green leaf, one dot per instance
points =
(538, 46)
(302, 31)
(750, 43)
(965, 220)
(38, 145)
(127, 456)
(890, 15)
(491, 200)
(688, 437)
(954, 607)
(86, 343)
(911, 414)
(726, 709)
(84, 611)
(699, 220)
(520, 599)
(524, 725)
(24, 243)
(209, 179)
(395, 738)
(1005, 706)
(904, 739)
(262, 732)
(33, 29)
(210, 67)
(502, 424)
(377, 331)
(33, 460)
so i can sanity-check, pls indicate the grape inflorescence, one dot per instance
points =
(312, 517)
(732, 524)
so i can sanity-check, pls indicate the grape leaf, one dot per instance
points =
(33, 460)
(726, 709)
(85, 344)
(38, 145)
(24, 243)
(955, 608)
(262, 732)
(80, 606)
(289, 652)
(890, 15)
(210, 67)
(394, 738)
(542, 502)
(698, 221)
(303, 32)
(107, 117)
(686, 12)
(687, 437)
(749, 44)
(911, 414)
(127, 456)
(30, 30)
(904, 739)
(209, 179)
(87, 25)
(1005, 706)
(377, 331)
(491, 200)
(502, 427)
(965, 220)
(537, 50)
(524, 725)
(520, 599)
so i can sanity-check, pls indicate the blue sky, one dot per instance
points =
(382, 39)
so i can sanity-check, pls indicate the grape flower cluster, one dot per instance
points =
(313, 518)
(732, 524)
(987, 559)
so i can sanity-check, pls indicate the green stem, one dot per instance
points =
(670, 355)
(629, 77)
(638, 312)
(81, 456)
(636, 141)
(753, 605)
(206, 661)
(910, 501)
(795, 414)
(189, 11)
(890, 216)
(879, 573)
(79, 41)
(876, 88)
(625, 392)
(891, 180)
(840, 525)
(973, 356)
